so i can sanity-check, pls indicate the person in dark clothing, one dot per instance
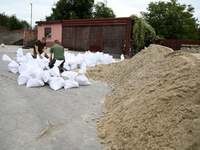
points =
(58, 52)
(39, 48)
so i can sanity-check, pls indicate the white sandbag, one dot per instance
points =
(47, 66)
(22, 69)
(2, 45)
(22, 60)
(31, 68)
(90, 58)
(57, 83)
(83, 80)
(83, 68)
(70, 74)
(42, 62)
(51, 79)
(114, 61)
(6, 58)
(71, 60)
(66, 66)
(88, 55)
(33, 82)
(35, 72)
(29, 56)
(73, 66)
(107, 58)
(54, 72)
(79, 59)
(71, 84)
(89, 64)
(69, 56)
(101, 59)
(23, 79)
(45, 76)
(96, 57)
(32, 62)
(58, 62)
(20, 52)
(122, 57)
(13, 66)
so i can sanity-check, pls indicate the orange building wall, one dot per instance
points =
(56, 33)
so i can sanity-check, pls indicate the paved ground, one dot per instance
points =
(24, 113)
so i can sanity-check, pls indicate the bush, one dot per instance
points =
(143, 34)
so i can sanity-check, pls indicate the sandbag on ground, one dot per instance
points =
(57, 83)
(83, 80)
(69, 74)
(34, 82)
(71, 84)
(54, 72)
(13, 66)
(6, 58)
(23, 79)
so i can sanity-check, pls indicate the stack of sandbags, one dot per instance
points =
(36, 72)
(88, 58)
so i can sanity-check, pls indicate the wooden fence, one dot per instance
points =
(176, 44)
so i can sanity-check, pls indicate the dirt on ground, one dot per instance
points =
(155, 103)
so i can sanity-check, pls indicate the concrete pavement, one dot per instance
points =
(24, 113)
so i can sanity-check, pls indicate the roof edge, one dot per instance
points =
(49, 22)
(75, 20)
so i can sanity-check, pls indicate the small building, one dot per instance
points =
(108, 35)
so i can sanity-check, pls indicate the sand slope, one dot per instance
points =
(156, 101)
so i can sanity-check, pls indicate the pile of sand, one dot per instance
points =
(156, 101)
(118, 73)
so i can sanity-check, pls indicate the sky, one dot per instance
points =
(42, 8)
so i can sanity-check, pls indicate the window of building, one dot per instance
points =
(48, 33)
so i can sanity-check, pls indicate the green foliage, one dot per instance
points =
(3, 19)
(101, 10)
(143, 34)
(198, 28)
(76, 9)
(35, 27)
(12, 23)
(25, 24)
(83, 9)
(71, 9)
(171, 20)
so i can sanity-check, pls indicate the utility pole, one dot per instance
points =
(30, 38)
(31, 16)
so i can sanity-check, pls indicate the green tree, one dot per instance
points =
(171, 20)
(4, 19)
(71, 9)
(143, 34)
(14, 23)
(35, 27)
(25, 24)
(198, 28)
(101, 10)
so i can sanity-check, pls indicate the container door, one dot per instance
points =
(96, 38)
